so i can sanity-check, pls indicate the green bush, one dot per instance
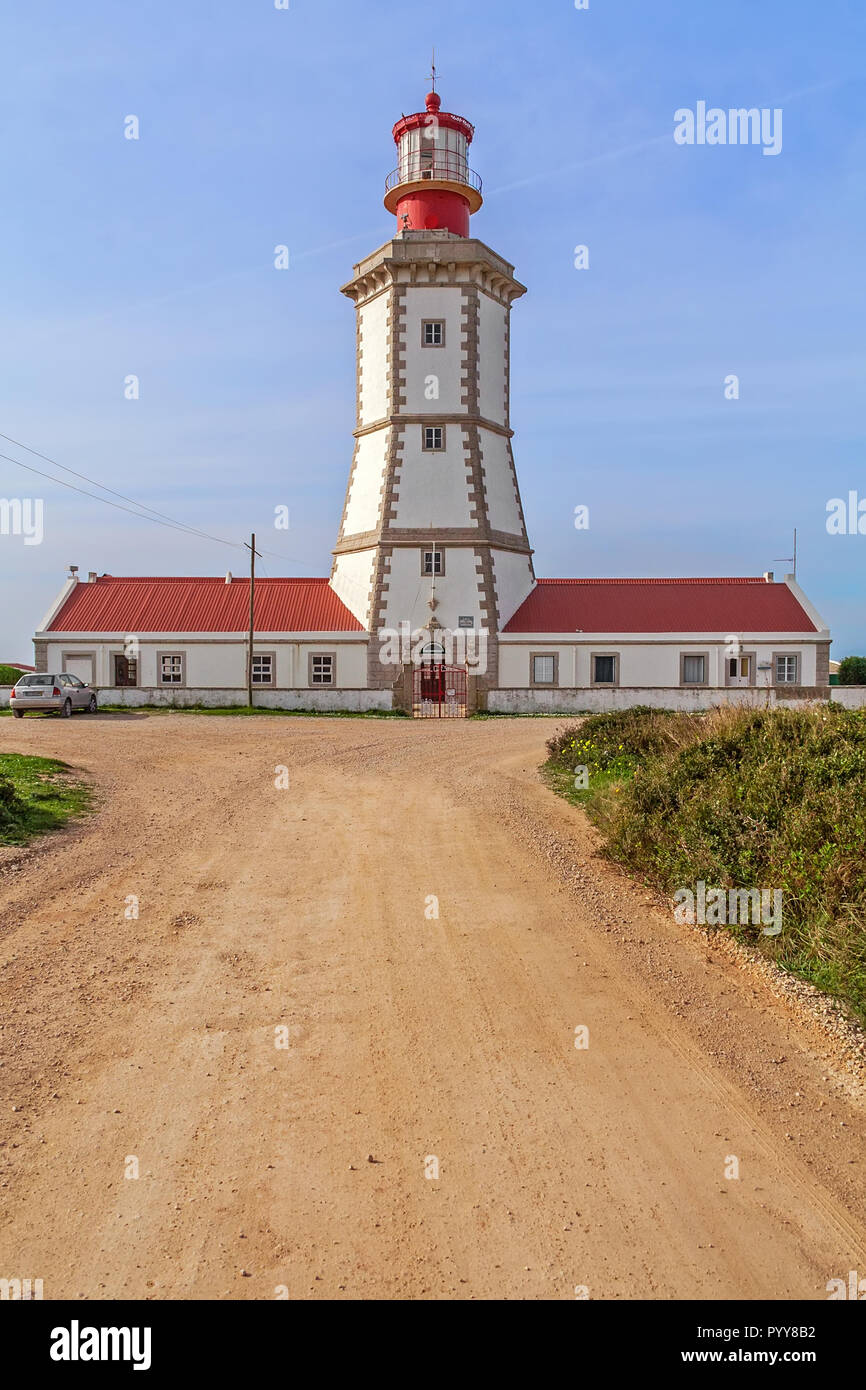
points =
(852, 670)
(9, 674)
(748, 798)
(625, 735)
(11, 808)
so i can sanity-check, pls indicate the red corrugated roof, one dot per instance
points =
(660, 605)
(111, 604)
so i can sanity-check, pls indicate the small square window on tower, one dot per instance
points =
(432, 562)
(433, 437)
(432, 332)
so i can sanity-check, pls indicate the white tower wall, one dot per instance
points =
(441, 363)
(493, 359)
(372, 351)
(361, 512)
(461, 496)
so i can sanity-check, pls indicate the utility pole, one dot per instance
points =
(251, 546)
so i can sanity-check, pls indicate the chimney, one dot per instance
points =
(73, 572)
(768, 576)
(91, 578)
(228, 576)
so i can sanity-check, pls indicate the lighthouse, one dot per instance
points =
(433, 537)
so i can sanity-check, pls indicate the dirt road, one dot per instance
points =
(417, 1043)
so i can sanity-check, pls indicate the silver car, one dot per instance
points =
(61, 693)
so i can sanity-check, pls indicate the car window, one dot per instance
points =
(65, 680)
(73, 680)
(36, 680)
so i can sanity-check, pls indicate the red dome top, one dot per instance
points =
(422, 120)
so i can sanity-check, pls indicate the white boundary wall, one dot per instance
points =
(333, 699)
(498, 701)
(851, 696)
(133, 697)
(597, 701)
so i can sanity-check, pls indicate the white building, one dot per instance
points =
(433, 600)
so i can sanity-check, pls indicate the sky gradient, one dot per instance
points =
(261, 127)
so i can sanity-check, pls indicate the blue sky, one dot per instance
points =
(259, 127)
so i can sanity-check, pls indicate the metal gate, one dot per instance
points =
(439, 691)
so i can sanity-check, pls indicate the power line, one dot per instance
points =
(159, 518)
(175, 525)
(167, 520)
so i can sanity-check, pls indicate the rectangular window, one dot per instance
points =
(432, 332)
(604, 670)
(786, 670)
(321, 669)
(171, 668)
(432, 562)
(694, 670)
(544, 669)
(263, 668)
(434, 437)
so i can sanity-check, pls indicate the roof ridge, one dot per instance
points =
(207, 579)
(702, 579)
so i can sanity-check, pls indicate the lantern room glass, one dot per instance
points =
(433, 151)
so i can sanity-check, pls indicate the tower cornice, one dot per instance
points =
(425, 259)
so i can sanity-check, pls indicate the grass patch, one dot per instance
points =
(37, 795)
(564, 783)
(740, 798)
(256, 710)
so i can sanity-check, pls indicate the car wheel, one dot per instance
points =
(19, 713)
(66, 711)
(91, 708)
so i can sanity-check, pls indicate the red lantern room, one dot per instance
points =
(433, 186)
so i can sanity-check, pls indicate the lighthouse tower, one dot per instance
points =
(432, 534)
